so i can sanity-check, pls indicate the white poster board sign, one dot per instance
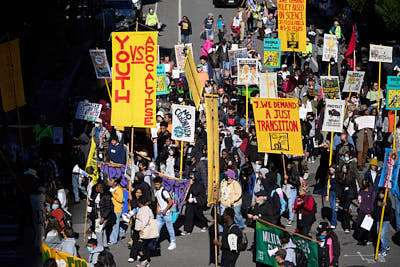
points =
(380, 53)
(334, 114)
(272, 83)
(354, 81)
(183, 122)
(88, 111)
(330, 48)
(365, 122)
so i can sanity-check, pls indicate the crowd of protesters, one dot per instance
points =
(253, 185)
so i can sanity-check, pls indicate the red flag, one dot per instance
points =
(350, 49)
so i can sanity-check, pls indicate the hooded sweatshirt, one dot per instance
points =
(94, 255)
(68, 246)
(290, 252)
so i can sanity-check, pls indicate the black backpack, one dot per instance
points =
(301, 258)
(67, 218)
(243, 244)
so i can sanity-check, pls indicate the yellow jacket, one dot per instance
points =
(230, 194)
(117, 199)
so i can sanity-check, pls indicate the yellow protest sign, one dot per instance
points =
(292, 25)
(92, 172)
(134, 57)
(278, 125)
(212, 147)
(192, 78)
(11, 84)
(62, 259)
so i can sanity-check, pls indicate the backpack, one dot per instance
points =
(244, 242)
(67, 218)
(283, 199)
(125, 201)
(314, 208)
(301, 258)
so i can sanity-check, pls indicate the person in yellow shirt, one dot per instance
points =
(117, 200)
(231, 196)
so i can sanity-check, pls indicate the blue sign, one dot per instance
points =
(393, 82)
(272, 44)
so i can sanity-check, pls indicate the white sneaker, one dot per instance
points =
(130, 260)
(203, 230)
(185, 233)
(172, 246)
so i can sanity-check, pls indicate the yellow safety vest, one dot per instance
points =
(338, 32)
(308, 50)
(255, 15)
(151, 19)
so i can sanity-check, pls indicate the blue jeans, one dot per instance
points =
(238, 216)
(184, 38)
(117, 229)
(209, 33)
(76, 186)
(332, 202)
(384, 243)
(167, 219)
(292, 199)
(397, 212)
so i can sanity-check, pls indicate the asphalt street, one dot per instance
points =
(193, 250)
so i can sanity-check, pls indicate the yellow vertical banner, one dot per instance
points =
(192, 78)
(92, 162)
(134, 59)
(212, 147)
(292, 25)
(11, 84)
(278, 125)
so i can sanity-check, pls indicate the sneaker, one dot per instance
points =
(312, 160)
(172, 246)
(369, 242)
(111, 244)
(387, 249)
(204, 229)
(185, 233)
(346, 231)
(143, 264)
(130, 260)
(289, 223)
(333, 227)
(382, 253)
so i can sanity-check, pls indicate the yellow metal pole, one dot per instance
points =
(84, 228)
(284, 164)
(347, 103)
(247, 106)
(330, 163)
(108, 89)
(394, 129)
(380, 224)
(181, 166)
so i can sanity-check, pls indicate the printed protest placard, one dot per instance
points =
(278, 125)
(134, 57)
(268, 239)
(365, 122)
(292, 24)
(183, 122)
(233, 55)
(88, 111)
(272, 84)
(380, 53)
(393, 99)
(247, 71)
(177, 188)
(161, 82)
(334, 114)
(272, 53)
(180, 55)
(330, 48)
(330, 87)
(390, 171)
(100, 63)
(393, 82)
(354, 81)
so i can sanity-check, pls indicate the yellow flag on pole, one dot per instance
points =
(192, 78)
(212, 147)
(91, 168)
(11, 84)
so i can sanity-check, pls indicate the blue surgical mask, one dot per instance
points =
(90, 249)
(346, 158)
(322, 236)
(55, 206)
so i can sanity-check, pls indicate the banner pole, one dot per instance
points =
(284, 164)
(181, 161)
(330, 163)
(330, 55)
(347, 103)
(247, 107)
(215, 234)
(380, 224)
(266, 72)
(394, 129)
(379, 85)
(294, 57)
(108, 89)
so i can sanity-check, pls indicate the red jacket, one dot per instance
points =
(59, 215)
(305, 204)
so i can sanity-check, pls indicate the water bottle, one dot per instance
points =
(336, 206)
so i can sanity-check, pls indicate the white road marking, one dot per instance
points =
(179, 19)
(367, 258)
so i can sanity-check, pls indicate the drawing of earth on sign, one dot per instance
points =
(279, 141)
(178, 131)
(393, 99)
(271, 58)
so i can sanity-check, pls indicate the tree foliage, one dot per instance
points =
(390, 12)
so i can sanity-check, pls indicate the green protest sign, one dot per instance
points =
(267, 238)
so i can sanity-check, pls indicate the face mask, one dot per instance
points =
(151, 12)
(258, 167)
(55, 206)
(381, 196)
(346, 159)
(322, 236)
(180, 99)
(97, 125)
(90, 249)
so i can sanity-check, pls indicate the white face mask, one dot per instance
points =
(258, 167)
(97, 125)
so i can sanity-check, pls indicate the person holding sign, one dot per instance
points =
(387, 217)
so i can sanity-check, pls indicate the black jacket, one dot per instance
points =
(323, 251)
(231, 229)
(378, 210)
(199, 192)
(78, 158)
(106, 205)
(269, 210)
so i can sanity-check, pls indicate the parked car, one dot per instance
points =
(125, 11)
(220, 3)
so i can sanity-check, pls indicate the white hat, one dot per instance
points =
(99, 120)
(160, 113)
